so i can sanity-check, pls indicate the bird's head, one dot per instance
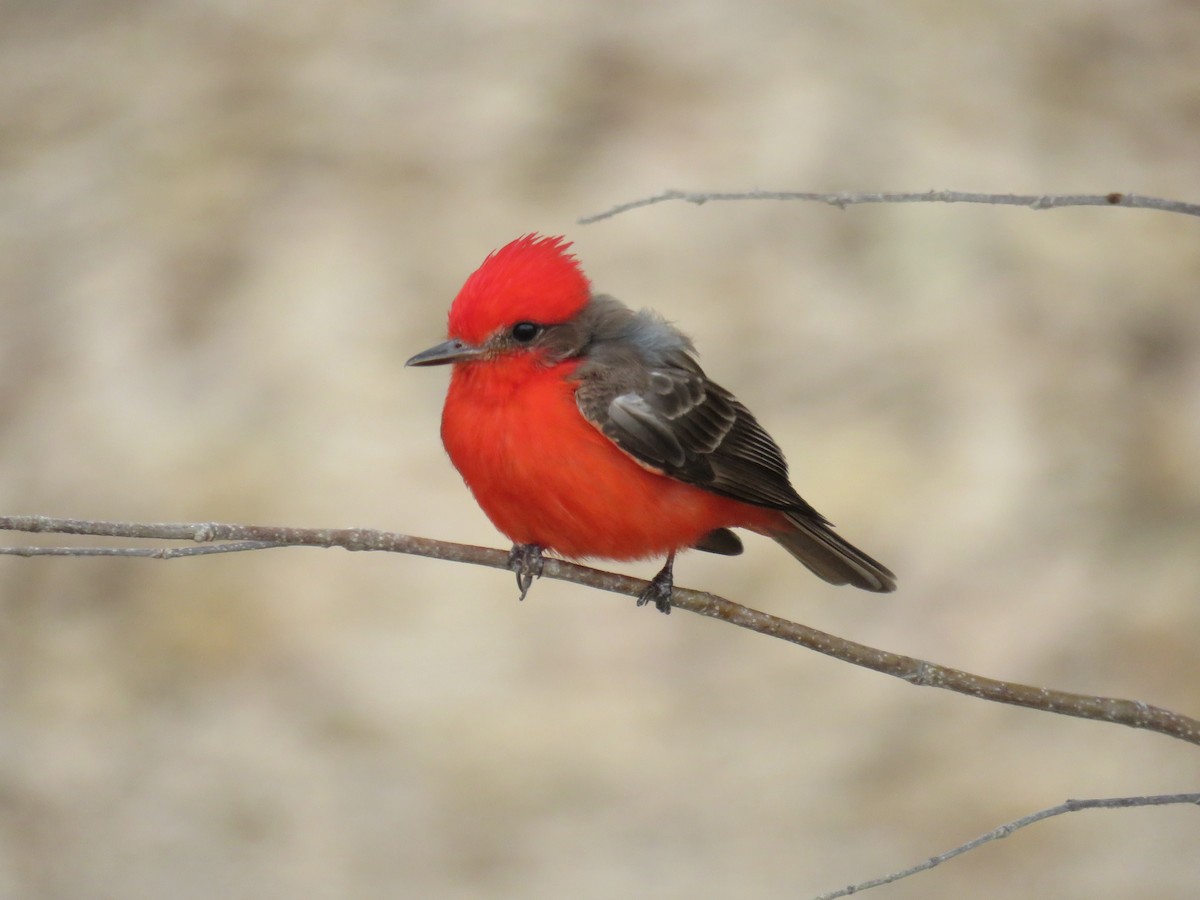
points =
(518, 292)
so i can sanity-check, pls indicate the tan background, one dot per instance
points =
(226, 225)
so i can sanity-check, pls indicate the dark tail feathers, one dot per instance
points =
(831, 558)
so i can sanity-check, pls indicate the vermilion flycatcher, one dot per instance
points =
(588, 429)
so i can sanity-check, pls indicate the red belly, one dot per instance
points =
(544, 475)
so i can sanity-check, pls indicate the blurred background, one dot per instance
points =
(225, 226)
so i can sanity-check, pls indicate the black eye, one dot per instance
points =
(526, 331)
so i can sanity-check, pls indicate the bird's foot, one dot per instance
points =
(526, 561)
(660, 589)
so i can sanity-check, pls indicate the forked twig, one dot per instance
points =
(1008, 828)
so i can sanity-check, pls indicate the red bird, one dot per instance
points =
(588, 429)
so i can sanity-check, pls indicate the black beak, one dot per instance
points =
(448, 352)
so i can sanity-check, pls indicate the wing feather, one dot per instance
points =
(640, 385)
(673, 419)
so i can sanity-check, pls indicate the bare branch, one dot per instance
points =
(843, 199)
(1005, 830)
(1132, 713)
(146, 552)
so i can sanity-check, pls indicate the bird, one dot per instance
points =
(588, 429)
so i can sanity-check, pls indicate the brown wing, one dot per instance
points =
(640, 385)
(672, 419)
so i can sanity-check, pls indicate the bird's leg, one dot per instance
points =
(661, 587)
(527, 561)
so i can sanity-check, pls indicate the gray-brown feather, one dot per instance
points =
(640, 384)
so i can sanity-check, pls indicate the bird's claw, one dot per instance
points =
(526, 561)
(659, 591)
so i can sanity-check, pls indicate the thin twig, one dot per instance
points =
(1005, 830)
(1132, 713)
(843, 199)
